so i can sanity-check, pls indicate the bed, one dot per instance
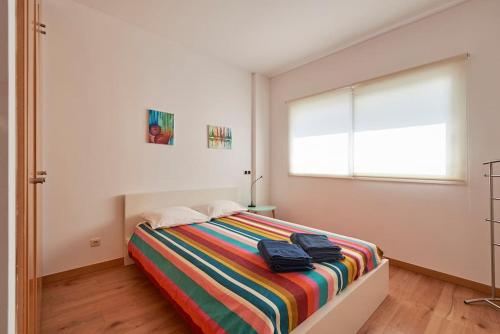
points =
(214, 276)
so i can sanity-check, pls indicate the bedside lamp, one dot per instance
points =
(252, 204)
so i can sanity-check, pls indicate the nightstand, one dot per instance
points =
(262, 208)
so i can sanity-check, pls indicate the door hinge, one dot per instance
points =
(37, 180)
(41, 27)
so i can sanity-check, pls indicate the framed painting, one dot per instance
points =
(160, 127)
(219, 137)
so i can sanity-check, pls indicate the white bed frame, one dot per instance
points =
(345, 313)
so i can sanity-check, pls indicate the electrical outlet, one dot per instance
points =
(95, 242)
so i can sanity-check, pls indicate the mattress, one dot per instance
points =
(215, 277)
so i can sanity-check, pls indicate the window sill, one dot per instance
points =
(382, 179)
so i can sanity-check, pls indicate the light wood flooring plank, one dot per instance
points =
(122, 300)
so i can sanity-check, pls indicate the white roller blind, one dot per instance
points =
(412, 124)
(320, 128)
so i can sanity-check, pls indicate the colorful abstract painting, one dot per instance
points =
(160, 127)
(219, 137)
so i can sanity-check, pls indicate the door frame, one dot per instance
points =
(27, 300)
(21, 167)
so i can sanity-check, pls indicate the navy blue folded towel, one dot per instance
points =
(282, 256)
(318, 246)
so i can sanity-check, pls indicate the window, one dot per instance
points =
(409, 125)
(320, 133)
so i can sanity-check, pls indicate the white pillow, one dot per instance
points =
(173, 216)
(220, 208)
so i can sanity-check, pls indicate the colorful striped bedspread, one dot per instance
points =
(216, 278)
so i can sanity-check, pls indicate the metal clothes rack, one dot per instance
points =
(491, 300)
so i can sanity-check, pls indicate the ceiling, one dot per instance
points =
(268, 36)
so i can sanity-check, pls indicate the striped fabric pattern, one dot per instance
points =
(217, 279)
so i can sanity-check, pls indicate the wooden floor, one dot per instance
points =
(122, 300)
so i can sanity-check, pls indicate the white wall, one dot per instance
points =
(100, 74)
(4, 259)
(260, 138)
(435, 226)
